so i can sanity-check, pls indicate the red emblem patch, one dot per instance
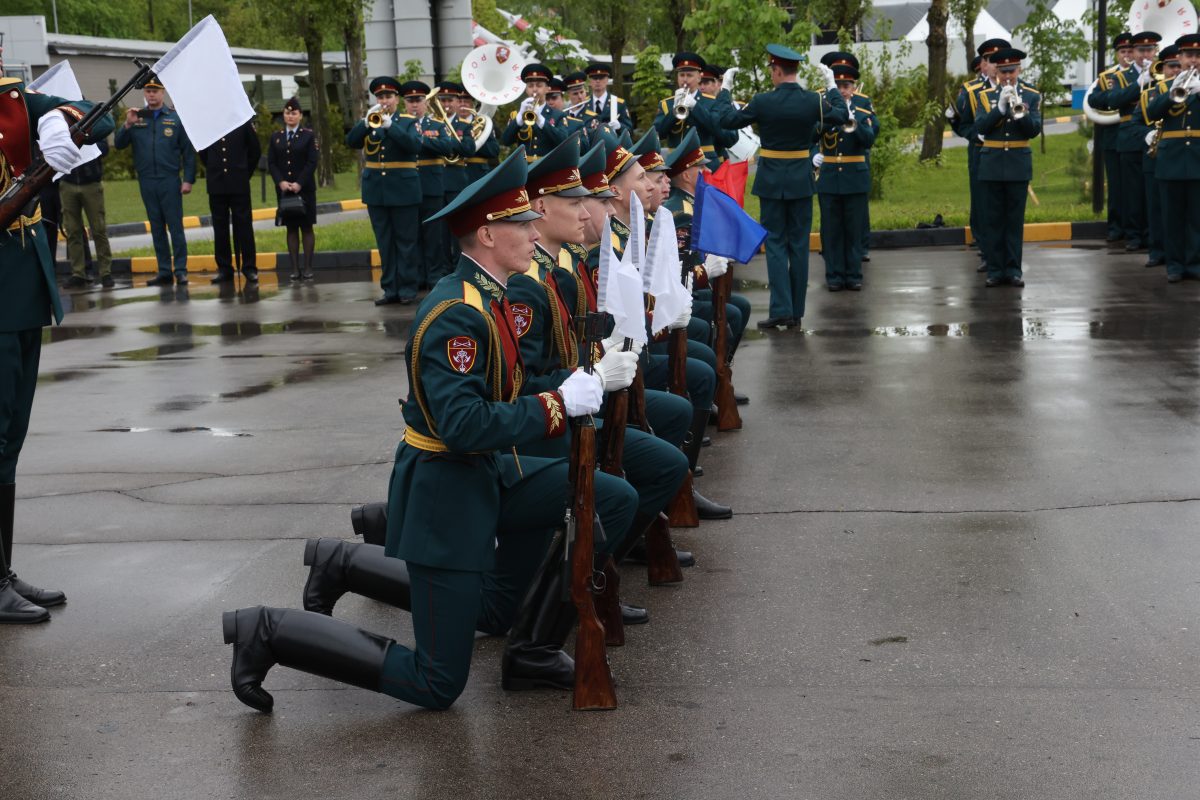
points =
(522, 316)
(461, 352)
(501, 54)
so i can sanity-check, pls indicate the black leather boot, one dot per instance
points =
(339, 567)
(705, 508)
(263, 637)
(370, 522)
(44, 598)
(15, 609)
(637, 555)
(533, 656)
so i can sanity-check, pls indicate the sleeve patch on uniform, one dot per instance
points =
(522, 316)
(461, 351)
(556, 417)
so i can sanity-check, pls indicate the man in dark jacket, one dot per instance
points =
(230, 161)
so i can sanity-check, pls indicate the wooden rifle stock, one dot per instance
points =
(593, 678)
(616, 417)
(682, 511)
(22, 194)
(728, 418)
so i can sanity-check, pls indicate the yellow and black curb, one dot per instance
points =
(205, 221)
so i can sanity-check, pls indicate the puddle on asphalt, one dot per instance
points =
(221, 432)
(65, 333)
(156, 352)
(1024, 328)
(246, 330)
(62, 375)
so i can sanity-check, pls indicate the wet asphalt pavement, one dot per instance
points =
(963, 563)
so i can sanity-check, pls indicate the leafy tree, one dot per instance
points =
(1052, 43)
(967, 13)
(758, 23)
(649, 85)
(893, 97)
(935, 91)
(484, 12)
(840, 15)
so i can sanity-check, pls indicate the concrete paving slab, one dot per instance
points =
(962, 563)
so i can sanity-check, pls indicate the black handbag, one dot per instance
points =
(291, 207)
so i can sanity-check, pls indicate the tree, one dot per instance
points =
(967, 13)
(840, 15)
(649, 85)
(759, 22)
(935, 90)
(1053, 43)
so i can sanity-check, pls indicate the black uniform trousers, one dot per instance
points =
(238, 208)
(1133, 197)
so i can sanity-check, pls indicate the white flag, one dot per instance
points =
(671, 297)
(629, 281)
(636, 246)
(203, 81)
(619, 292)
(60, 81)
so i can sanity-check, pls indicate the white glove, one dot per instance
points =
(716, 266)
(526, 105)
(582, 394)
(681, 322)
(1150, 137)
(614, 343)
(818, 160)
(688, 100)
(1003, 103)
(387, 121)
(830, 81)
(54, 137)
(616, 369)
(980, 137)
(375, 109)
(727, 79)
(1144, 78)
(615, 125)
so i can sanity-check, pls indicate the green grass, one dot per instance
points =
(123, 201)
(914, 193)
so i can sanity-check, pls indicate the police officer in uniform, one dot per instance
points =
(292, 157)
(787, 118)
(28, 299)
(160, 149)
(229, 163)
(844, 186)
(1178, 164)
(471, 524)
(548, 128)
(1006, 165)
(391, 188)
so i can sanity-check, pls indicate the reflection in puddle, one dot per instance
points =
(61, 375)
(156, 352)
(221, 432)
(188, 403)
(246, 330)
(64, 333)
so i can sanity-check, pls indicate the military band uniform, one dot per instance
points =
(1106, 140)
(1155, 224)
(160, 150)
(1005, 170)
(843, 188)
(1178, 173)
(457, 174)
(28, 301)
(705, 118)
(481, 163)
(391, 189)
(229, 164)
(858, 102)
(436, 144)
(787, 119)
(599, 107)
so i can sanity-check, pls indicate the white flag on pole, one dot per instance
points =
(636, 246)
(671, 297)
(60, 81)
(619, 292)
(629, 281)
(203, 81)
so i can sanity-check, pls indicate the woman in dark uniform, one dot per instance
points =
(292, 161)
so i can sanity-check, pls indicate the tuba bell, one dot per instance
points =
(491, 74)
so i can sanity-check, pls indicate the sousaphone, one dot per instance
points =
(491, 74)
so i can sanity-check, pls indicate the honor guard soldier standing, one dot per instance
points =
(1107, 136)
(292, 156)
(600, 102)
(857, 100)
(1178, 167)
(437, 143)
(471, 524)
(844, 186)
(690, 108)
(787, 118)
(160, 149)
(391, 188)
(28, 299)
(229, 164)
(1010, 117)
(534, 125)
(1125, 97)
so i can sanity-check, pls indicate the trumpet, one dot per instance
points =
(375, 116)
(851, 125)
(437, 113)
(1183, 85)
(529, 117)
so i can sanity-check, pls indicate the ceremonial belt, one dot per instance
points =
(429, 444)
(845, 159)
(765, 153)
(1125, 118)
(459, 163)
(708, 148)
(25, 222)
(1188, 134)
(1006, 145)
(390, 165)
(431, 162)
(477, 161)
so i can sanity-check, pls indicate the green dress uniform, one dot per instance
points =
(456, 179)
(471, 523)
(391, 188)
(843, 188)
(437, 143)
(1106, 141)
(705, 118)
(1005, 170)
(1155, 223)
(1178, 172)
(967, 106)
(28, 291)
(160, 149)
(788, 118)
(537, 140)
(1125, 97)
(858, 102)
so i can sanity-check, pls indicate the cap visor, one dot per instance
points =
(524, 216)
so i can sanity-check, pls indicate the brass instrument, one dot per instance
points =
(1152, 152)
(1183, 82)
(491, 74)
(437, 113)
(375, 117)
(851, 125)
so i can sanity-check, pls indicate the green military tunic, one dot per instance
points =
(1106, 141)
(1119, 91)
(391, 188)
(788, 118)
(1005, 170)
(1177, 170)
(706, 118)
(967, 106)
(537, 140)
(1155, 223)
(436, 144)
(843, 187)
